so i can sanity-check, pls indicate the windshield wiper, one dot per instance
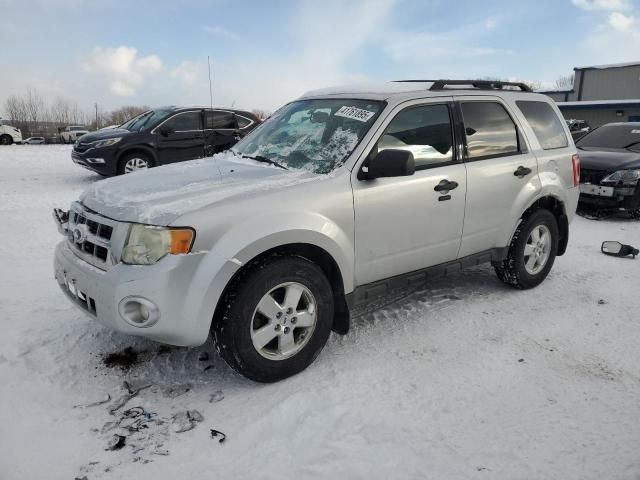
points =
(260, 158)
(631, 144)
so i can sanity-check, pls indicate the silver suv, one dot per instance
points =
(341, 196)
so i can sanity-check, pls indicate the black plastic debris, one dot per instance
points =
(217, 434)
(117, 442)
(602, 301)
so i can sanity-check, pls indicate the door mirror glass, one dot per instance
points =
(165, 130)
(390, 163)
(618, 249)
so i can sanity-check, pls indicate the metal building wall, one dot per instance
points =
(608, 83)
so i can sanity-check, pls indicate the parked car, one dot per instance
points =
(611, 168)
(72, 133)
(578, 128)
(9, 134)
(34, 141)
(341, 196)
(161, 136)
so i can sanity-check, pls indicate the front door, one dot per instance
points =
(181, 137)
(404, 224)
(500, 172)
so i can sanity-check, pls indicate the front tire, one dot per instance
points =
(276, 318)
(532, 251)
(6, 140)
(134, 162)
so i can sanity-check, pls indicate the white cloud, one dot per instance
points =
(621, 22)
(221, 32)
(122, 68)
(608, 5)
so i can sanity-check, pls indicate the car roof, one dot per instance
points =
(177, 108)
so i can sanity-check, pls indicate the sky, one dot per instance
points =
(266, 53)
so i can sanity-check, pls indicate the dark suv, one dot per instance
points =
(160, 136)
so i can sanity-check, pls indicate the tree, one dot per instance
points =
(121, 115)
(564, 82)
(261, 114)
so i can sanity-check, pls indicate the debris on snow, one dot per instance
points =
(174, 391)
(216, 434)
(117, 442)
(106, 399)
(187, 420)
(203, 357)
(124, 359)
(602, 301)
(216, 396)
(134, 386)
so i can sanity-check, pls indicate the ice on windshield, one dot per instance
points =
(313, 135)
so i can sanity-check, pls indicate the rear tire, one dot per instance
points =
(6, 140)
(532, 251)
(262, 331)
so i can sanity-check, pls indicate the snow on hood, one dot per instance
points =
(160, 195)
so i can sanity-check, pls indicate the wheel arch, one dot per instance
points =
(145, 150)
(557, 207)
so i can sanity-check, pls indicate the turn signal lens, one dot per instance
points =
(181, 241)
(575, 161)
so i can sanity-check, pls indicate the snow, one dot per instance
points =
(599, 102)
(461, 378)
(610, 65)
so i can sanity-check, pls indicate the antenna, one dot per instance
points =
(210, 87)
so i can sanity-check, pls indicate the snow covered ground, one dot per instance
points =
(464, 378)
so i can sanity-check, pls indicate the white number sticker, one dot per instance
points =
(355, 113)
(635, 131)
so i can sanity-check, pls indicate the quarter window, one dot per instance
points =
(220, 120)
(243, 122)
(185, 122)
(545, 124)
(489, 130)
(425, 131)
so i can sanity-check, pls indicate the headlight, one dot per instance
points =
(106, 143)
(625, 177)
(146, 245)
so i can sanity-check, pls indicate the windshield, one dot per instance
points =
(612, 136)
(314, 135)
(145, 119)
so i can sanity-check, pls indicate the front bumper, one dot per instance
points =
(610, 197)
(109, 167)
(185, 289)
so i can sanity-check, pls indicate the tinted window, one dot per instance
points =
(184, 122)
(545, 124)
(220, 120)
(243, 122)
(489, 129)
(613, 135)
(424, 131)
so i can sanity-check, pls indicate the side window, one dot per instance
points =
(545, 124)
(489, 130)
(185, 122)
(425, 131)
(243, 122)
(217, 120)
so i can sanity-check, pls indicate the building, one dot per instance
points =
(602, 94)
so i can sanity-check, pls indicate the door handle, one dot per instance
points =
(522, 171)
(445, 186)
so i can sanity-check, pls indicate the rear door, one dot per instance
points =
(221, 131)
(405, 224)
(501, 172)
(180, 137)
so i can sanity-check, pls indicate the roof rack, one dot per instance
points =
(479, 84)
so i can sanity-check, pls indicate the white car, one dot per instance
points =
(341, 196)
(9, 135)
(34, 141)
(72, 133)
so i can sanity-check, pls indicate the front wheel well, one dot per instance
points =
(317, 255)
(140, 151)
(557, 208)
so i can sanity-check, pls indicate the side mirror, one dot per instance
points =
(165, 131)
(389, 163)
(617, 249)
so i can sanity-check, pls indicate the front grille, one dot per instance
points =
(94, 245)
(592, 176)
(81, 147)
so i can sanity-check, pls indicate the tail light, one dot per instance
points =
(575, 163)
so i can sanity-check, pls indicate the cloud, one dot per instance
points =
(621, 22)
(122, 68)
(221, 32)
(607, 5)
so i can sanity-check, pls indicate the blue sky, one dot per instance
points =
(265, 53)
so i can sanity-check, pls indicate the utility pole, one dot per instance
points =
(210, 87)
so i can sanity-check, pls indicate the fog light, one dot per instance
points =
(139, 311)
(95, 160)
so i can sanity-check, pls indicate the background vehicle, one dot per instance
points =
(341, 196)
(578, 128)
(34, 141)
(72, 133)
(610, 158)
(161, 136)
(9, 134)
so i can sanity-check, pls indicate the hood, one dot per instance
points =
(609, 160)
(160, 195)
(104, 134)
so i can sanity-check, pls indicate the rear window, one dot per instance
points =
(489, 130)
(545, 124)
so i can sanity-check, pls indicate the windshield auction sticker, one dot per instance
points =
(355, 113)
